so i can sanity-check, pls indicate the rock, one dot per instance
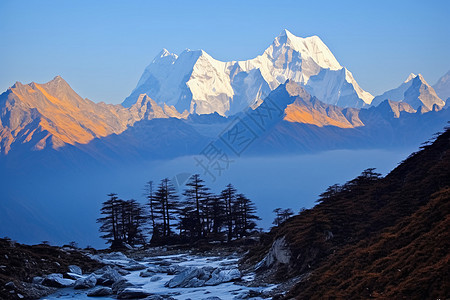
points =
(134, 267)
(57, 280)
(174, 270)
(279, 253)
(212, 298)
(115, 256)
(10, 285)
(184, 279)
(159, 297)
(147, 273)
(73, 276)
(37, 280)
(155, 278)
(122, 271)
(220, 276)
(86, 283)
(100, 291)
(194, 282)
(120, 285)
(133, 293)
(109, 277)
(75, 270)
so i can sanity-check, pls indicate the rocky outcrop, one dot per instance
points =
(278, 254)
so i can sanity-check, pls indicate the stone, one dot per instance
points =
(134, 267)
(279, 253)
(10, 285)
(115, 256)
(220, 276)
(100, 291)
(147, 273)
(133, 293)
(73, 276)
(75, 269)
(37, 280)
(108, 277)
(155, 278)
(57, 280)
(86, 282)
(184, 279)
(120, 285)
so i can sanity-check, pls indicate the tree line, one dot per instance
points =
(169, 218)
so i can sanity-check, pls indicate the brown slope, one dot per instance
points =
(353, 243)
(51, 115)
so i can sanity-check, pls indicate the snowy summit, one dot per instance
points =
(196, 82)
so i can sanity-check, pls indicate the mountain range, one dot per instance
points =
(295, 98)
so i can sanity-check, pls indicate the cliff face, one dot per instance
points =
(371, 237)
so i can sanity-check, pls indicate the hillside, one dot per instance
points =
(371, 237)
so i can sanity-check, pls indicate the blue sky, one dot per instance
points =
(102, 47)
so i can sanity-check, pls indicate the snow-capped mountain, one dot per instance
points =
(414, 91)
(442, 87)
(198, 83)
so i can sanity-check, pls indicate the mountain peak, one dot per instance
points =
(410, 77)
(442, 87)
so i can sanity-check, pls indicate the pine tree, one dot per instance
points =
(229, 197)
(245, 215)
(168, 200)
(216, 210)
(110, 221)
(197, 194)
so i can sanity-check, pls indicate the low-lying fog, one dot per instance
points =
(63, 206)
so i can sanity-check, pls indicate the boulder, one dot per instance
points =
(147, 273)
(279, 253)
(37, 280)
(159, 297)
(220, 276)
(75, 269)
(120, 285)
(86, 282)
(133, 293)
(108, 277)
(184, 279)
(57, 280)
(134, 267)
(155, 278)
(73, 276)
(100, 291)
(115, 256)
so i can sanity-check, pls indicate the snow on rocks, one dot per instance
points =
(179, 276)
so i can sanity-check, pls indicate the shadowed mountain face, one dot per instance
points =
(371, 237)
